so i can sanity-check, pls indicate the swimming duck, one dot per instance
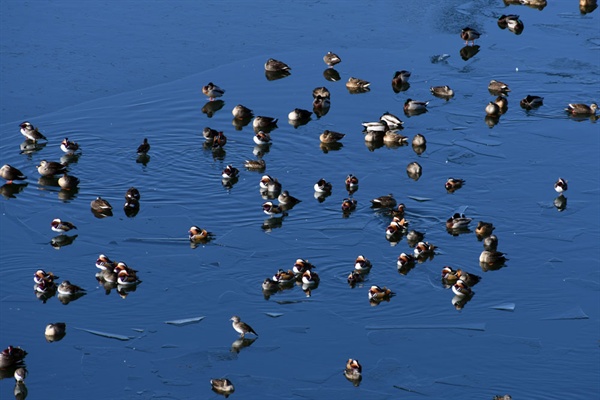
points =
(449, 275)
(498, 87)
(461, 289)
(11, 356)
(222, 385)
(355, 277)
(105, 263)
(331, 59)
(468, 279)
(262, 138)
(424, 249)
(492, 257)
(393, 138)
(490, 243)
(241, 327)
(310, 278)
(270, 285)
(396, 227)
(377, 293)
(282, 276)
(441, 91)
(398, 211)
(506, 396)
(301, 265)
(273, 65)
(68, 182)
(502, 103)
(125, 278)
(469, 35)
(505, 20)
(414, 105)
(242, 112)
(197, 234)
(419, 140)
(255, 165)
(212, 91)
(582, 109)
(121, 266)
(349, 205)
(55, 330)
(299, 114)
(11, 173)
(376, 126)
(144, 148)
(492, 109)
(374, 136)
(392, 121)
(100, 205)
(230, 172)
(453, 184)
(51, 168)
(322, 92)
(274, 187)
(353, 371)
(458, 221)
(132, 194)
(287, 199)
(20, 374)
(68, 146)
(330, 136)
(357, 84)
(362, 263)
(400, 78)
(414, 237)
(30, 132)
(405, 260)
(67, 288)
(561, 185)
(484, 229)
(61, 226)
(219, 141)
(42, 276)
(386, 201)
(414, 170)
(530, 102)
(322, 186)
(271, 209)
(264, 123)
(209, 133)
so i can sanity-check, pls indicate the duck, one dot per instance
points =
(47, 288)
(505, 20)
(273, 65)
(461, 289)
(132, 194)
(424, 249)
(68, 146)
(241, 327)
(386, 201)
(230, 172)
(449, 275)
(330, 136)
(331, 59)
(453, 184)
(271, 209)
(219, 141)
(322, 92)
(502, 103)
(68, 289)
(492, 109)
(42, 276)
(262, 138)
(468, 279)
(299, 114)
(458, 221)
(301, 265)
(322, 186)
(484, 229)
(68, 182)
(264, 182)
(490, 243)
(282, 276)
(357, 84)
(61, 226)
(362, 263)
(264, 123)
(377, 293)
(419, 140)
(51, 168)
(498, 87)
(255, 165)
(561, 185)
(405, 260)
(413, 237)
(270, 285)
(374, 136)
(121, 266)
(507, 396)
(197, 234)
(56, 329)
(398, 211)
(355, 277)
(376, 126)
(11, 356)
(20, 374)
(310, 278)
(10, 173)
(222, 385)
(353, 371)
(212, 91)
(397, 226)
(351, 182)
(582, 109)
(441, 91)
(414, 170)
(100, 205)
(242, 112)
(144, 148)
(392, 121)
(529, 102)
(391, 137)
(469, 35)
(285, 198)
(415, 105)
(209, 133)
(274, 187)
(349, 205)
(30, 132)
(125, 278)
(492, 257)
(400, 78)
(105, 263)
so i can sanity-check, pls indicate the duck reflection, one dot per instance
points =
(239, 124)
(11, 190)
(29, 146)
(560, 202)
(20, 391)
(143, 158)
(211, 107)
(241, 343)
(272, 223)
(70, 158)
(67, 298)
(124, 290)
(327, 147)
(275, 75)
(68, 194)
(62, 240)
(402, 86)
(48, 181)
(102, 214)
(469, 52)
(331, 75)
(458, 231)
(374, 145)
(492, 120)
(459, 302)
(228, 183)
(298, 122)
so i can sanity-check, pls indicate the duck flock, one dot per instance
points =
(279, 202)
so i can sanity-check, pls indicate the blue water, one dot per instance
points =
(107, 80)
